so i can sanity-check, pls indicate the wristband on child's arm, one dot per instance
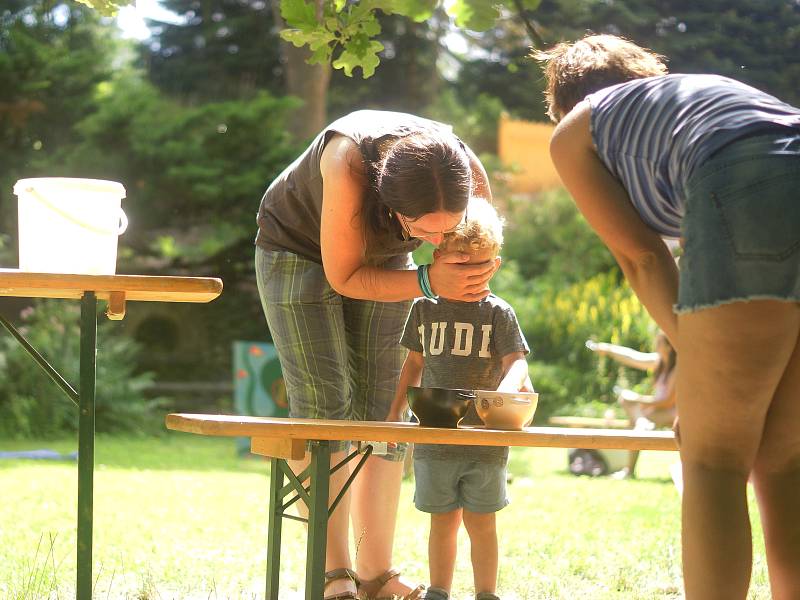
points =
(424, 280)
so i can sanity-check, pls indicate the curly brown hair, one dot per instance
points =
(574, 70)
(481, 230)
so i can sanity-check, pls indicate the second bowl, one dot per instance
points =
(505, 410)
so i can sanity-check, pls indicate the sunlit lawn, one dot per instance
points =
(182, 517)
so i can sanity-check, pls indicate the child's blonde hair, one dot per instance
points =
(574, 70)
(481, 230)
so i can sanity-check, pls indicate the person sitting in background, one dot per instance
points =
(646, 412)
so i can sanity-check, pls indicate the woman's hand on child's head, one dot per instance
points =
(452, 278)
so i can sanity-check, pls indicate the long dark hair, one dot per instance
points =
(417, 174)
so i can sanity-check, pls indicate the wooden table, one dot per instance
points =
(282, 439)
(116, 290)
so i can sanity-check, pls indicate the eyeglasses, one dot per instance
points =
(421, 233)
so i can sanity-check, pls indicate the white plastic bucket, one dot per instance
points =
(69, 225)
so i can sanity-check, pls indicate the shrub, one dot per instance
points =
(34, 406)
(566, 288)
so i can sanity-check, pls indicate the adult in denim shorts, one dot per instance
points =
(333, 267)
(715, 163)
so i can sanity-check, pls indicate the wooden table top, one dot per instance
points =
(132, 287)
(380, 431)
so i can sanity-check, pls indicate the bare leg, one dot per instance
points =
(442, 546)
(376, 496)
(732, 360)
(633, 458)
(646, 418)
(634, 411)
(776, 477)
(482, 530)
(337, 553)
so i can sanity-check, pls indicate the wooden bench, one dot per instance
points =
(283, 439)
(594, 422)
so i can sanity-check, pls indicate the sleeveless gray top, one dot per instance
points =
(289, 216)
(653, 133)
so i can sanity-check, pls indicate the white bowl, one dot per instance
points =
(505, 410)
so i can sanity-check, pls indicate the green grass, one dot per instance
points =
(182, 517)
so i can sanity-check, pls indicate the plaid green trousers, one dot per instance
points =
(340, 357)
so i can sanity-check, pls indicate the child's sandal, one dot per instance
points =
(343, 573)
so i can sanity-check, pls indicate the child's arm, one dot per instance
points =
(411, 374)
(515, 374)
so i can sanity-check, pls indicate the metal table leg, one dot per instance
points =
(86, 444)
(315, 496)
(318, 519)
(274, 529)
(84, 399)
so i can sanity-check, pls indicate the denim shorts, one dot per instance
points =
(340, 357)
(445, 485)
(741, 228)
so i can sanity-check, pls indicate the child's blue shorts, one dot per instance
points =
(443, 485)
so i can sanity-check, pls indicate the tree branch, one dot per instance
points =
(530, 26)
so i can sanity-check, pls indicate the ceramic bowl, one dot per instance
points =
(439, 407)
(505, 410)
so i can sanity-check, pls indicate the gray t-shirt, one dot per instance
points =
(463, 345)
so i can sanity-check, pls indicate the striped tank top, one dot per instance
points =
(653, 133)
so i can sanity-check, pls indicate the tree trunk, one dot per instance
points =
(304, 81)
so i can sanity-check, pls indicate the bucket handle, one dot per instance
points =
(123, 218)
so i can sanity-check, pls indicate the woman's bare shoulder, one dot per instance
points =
(575, 128)
(341, 155)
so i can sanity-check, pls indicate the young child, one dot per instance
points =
(463, 345)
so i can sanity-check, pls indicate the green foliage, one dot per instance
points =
(566, 289)
(497, 63)
(550, 239)
(336, 25)
(32, 405)
(477, 15)
(107, 8)
(408, 79)
(331, 26)
(217, 50)
(193, 169)
(557, 321)
(754, 42)
(475, 119)
(49, 70)
(480, 15)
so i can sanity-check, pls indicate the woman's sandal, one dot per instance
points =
(342, 573)
(373, 586)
